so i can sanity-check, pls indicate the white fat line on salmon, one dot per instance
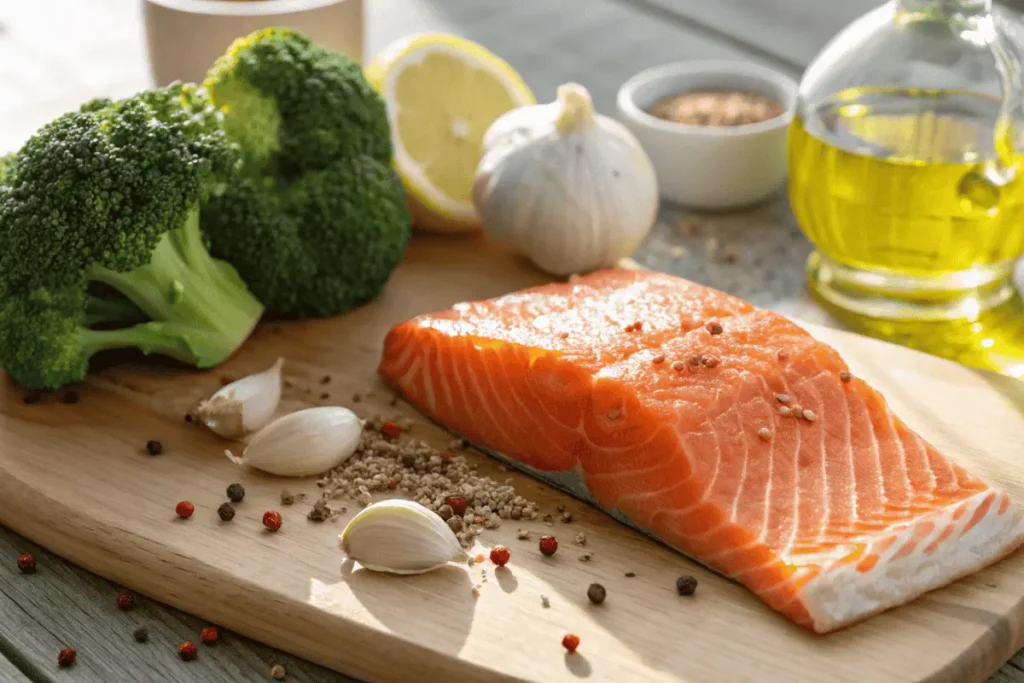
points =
(825, 419)
(903, 453)
(746, 458)
(770, 411)
(428, 383)
(406, 379)
(787, 389)
(481, 397)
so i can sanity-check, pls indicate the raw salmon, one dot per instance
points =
(726, 431)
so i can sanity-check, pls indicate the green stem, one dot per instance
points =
(200, 308)
(102, 310)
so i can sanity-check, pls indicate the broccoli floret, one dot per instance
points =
(289, 101)
(99, 227)
(317, 221)
(318, 246)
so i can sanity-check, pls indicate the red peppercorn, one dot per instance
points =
(184, 509)
(27, 564)
(272, 520)
(548, 545)
(500, 555)
(570, 642)
(124, 600)
(209, 635)
(66, 657)
(458, 504)
(188, 651)
(391, 430)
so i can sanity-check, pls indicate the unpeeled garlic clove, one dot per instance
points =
(245, 405)
(400, 537)
(303, 443)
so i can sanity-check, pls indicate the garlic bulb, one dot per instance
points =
(400, 537)
(245, 405)
(571, 189)
(303, 443)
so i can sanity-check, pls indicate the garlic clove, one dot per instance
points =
(400, 537)
(304, 443)
(245, 405)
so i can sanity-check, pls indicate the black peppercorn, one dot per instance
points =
(154, 447)
(141, 634)
(226, 512)
(236, 492)
(686, 585)
(596, 593)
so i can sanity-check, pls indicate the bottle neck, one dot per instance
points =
(946, 7)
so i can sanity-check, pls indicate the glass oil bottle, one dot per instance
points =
(905, 171)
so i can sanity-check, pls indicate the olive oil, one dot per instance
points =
(914, 200)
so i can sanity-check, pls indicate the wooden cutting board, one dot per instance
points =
(75, 479)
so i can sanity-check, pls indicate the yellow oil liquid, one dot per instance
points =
(913, 202)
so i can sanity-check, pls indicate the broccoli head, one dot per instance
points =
(316, 246)
(317, 221)
(100, 227)
(289, 101)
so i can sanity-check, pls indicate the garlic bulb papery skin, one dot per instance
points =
(570, 189)
(400, 537)
(245, 405)
(304, 443)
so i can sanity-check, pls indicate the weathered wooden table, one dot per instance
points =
(55, 54)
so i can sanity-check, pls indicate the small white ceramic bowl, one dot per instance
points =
(184, 37)
(711, 167)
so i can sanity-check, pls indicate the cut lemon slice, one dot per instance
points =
(443, 93)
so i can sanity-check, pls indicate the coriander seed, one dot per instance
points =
(277, 672)
(154, 447)
(287, 498)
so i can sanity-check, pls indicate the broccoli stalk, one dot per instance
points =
(204, 309)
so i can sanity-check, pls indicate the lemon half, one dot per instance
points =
(443, 92)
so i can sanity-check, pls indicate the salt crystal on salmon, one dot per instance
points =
(726, 431)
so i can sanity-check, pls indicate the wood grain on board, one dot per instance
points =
(292, 590)
(61, 606)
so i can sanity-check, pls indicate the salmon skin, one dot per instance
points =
(726, 431)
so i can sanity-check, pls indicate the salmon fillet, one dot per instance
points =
(676, 408)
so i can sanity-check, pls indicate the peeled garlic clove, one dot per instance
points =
(400, 537)
(245, 405)
(304, 443)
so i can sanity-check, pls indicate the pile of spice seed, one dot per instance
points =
(411, 468)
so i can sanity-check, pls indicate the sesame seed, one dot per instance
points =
(695, 360)
(798, 412)
(782, 354)
(711, 361)
(785, 411)
(713, 327)
(764, 434)
(810, 416)
(782, 398)
(660, 358)
(679, 366)
(845, 376)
